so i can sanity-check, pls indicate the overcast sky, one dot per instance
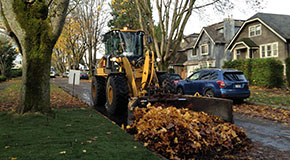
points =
(272, 6)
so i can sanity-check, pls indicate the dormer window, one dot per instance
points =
(204, 49)
(255, 30)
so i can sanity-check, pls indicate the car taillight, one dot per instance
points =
(222, 84)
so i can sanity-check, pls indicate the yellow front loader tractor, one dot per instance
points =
(127, 77)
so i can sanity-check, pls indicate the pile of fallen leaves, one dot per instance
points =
(266, 112)
(184, 134)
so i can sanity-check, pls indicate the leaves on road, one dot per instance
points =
(183, 134)
(266, 112)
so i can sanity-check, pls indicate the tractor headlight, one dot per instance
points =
(113, 59)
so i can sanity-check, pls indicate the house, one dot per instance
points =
(263, 35)
(209, 48)
(177, 61)
(17, 64)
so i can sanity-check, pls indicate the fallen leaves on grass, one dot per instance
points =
(61, 99)
(266, 112)
(183, 134)
(58, 99)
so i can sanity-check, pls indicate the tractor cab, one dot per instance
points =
(124, 43)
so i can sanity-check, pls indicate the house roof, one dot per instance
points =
(190, 40)
(213, 32)
(279, 24)
(249, 42)
(178, 59)
(188, 46)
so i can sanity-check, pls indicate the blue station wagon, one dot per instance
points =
(221, 83)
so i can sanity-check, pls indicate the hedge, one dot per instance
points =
(266, 72)
(2, 78)
(287, 62)
(15, 73)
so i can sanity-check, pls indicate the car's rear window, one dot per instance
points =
(234, 76)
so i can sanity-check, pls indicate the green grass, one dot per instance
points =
(8, 93)
(277, 97)
(73, 131)
(81, 133)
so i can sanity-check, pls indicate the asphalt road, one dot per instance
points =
(265, 132)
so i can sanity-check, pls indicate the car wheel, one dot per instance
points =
(209, 93)
(180, 91)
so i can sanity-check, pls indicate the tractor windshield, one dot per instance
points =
(131, 43)
(124, 43)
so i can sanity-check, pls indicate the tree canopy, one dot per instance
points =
(124, 14)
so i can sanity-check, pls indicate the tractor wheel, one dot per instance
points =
(180, 91)
(167, 84)
(98, 91)
(117, 95)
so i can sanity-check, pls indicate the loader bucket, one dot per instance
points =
(214, 106)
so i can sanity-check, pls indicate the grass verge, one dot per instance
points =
(278, 97)
(75, 133)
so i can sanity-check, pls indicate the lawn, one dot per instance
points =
(279, 97)
(75, 133)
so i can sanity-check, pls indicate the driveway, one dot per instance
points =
(272, 135)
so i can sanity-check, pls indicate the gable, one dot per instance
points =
(278, 22)
(203, 35)
(244, 32)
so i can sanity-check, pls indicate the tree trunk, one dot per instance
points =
(35, 90)
(36, 26)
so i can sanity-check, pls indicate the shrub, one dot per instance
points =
(260, 72)
(287, 62)
(2, 78)
(15, 73)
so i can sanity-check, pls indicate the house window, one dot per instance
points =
(269, 50)
(193, 52)
(255, 30)
(263, 51)
(252, 31)
(204, 49)
(258, 30)
(269, 53)
(275, 50)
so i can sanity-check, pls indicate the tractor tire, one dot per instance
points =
(167, 84)
(180, 91)
(117, 95)
(98, 91)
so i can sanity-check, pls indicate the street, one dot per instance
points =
(270, 134)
